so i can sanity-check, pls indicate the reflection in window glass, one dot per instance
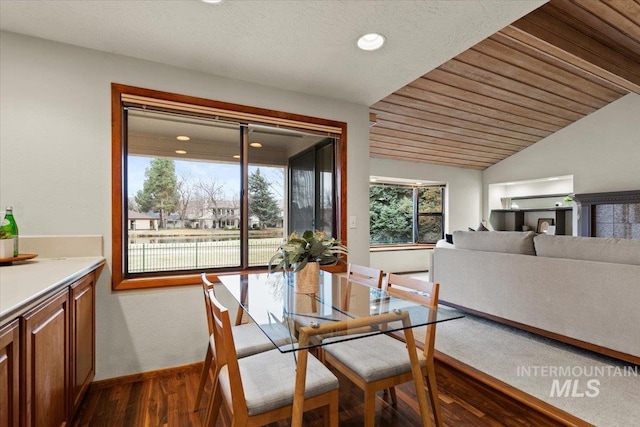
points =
(312, 193)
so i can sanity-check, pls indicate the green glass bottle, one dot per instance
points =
(10, 229)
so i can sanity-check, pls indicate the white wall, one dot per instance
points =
(55, 170)
(463, 201)
(401, 260)
(601, 151)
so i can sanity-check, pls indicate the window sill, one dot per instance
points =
(409, 247)
(194, 279)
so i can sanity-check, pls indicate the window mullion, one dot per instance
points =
(244, 197)
(415, 215)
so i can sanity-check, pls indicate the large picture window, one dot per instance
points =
(402, 214)
(200, 188)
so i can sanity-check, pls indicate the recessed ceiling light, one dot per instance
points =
(182, 138)
(213, 1)
(181, 152)
(236, 156)
(256, 145)
(371, 41)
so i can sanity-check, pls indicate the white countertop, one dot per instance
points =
(22, 284)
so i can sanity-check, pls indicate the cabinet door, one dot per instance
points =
(9, 374)
(46, 363)
(82, 316)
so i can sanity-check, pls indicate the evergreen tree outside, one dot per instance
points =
(430, 220)
(391, 214)
(262, 204)
(159, 191)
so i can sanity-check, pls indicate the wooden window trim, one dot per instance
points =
(119, 281)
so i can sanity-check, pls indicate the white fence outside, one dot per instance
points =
(148, 257)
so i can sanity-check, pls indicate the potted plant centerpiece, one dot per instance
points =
(304, 254)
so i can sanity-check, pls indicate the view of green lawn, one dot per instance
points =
(183, 249)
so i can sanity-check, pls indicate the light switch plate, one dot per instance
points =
(352, 221)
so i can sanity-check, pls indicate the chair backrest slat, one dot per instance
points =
(206, 287)
(367, 276)
(422, 292)
(226, 354)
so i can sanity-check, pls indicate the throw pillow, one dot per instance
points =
(449, 238)
(481, 227)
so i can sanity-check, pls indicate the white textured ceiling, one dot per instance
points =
(303, 46)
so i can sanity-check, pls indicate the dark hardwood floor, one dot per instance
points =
(167, 400)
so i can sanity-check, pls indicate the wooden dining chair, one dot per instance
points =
(381, 362)
(367, 276)
(249, 339)
(259, 389)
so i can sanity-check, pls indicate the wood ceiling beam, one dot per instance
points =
(567, 74)
(555, 38)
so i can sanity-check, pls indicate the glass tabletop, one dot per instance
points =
(334, 311)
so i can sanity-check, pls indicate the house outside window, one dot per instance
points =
(403, 215)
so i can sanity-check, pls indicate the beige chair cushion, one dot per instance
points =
(373, 358)
(250, 339)
(269, 380)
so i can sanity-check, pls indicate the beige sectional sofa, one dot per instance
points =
(582, 290)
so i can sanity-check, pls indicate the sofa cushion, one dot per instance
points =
(442, 243)
(510, 242)
(620, 251)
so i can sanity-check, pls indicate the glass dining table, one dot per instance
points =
(297, 319)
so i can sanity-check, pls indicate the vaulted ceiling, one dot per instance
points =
(555, 65)
(538, 75)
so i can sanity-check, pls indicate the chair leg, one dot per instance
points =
(334, 410)
(369, 408)
(394, 397)
(215, 404)
(203, 377)
(433, 394)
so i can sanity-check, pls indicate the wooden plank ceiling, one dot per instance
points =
(545, 71)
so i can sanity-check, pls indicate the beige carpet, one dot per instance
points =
(600, 390)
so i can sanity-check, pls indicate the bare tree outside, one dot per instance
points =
(213, 192)
(186, 191)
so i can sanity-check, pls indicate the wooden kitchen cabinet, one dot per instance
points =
(82, 338)
(45, 363)
(9, 374)
(47, 340)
